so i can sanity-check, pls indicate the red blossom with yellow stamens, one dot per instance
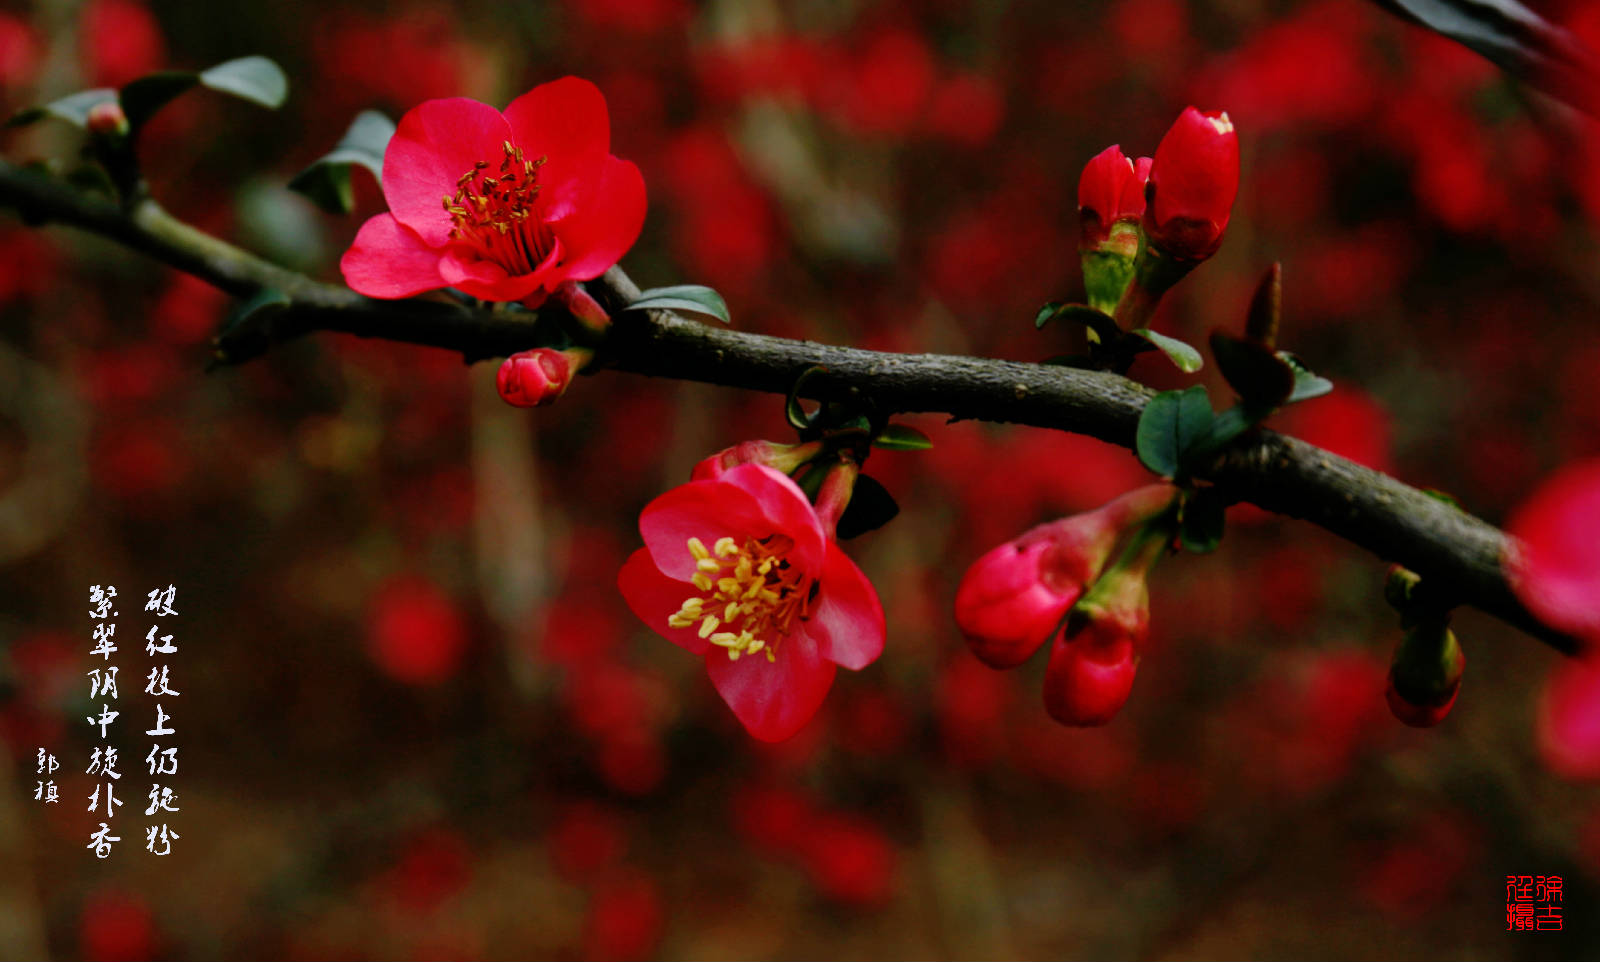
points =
(739, 569)
(501, 206)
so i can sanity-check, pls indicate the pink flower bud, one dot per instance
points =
(1418, 716)
(106, 119)
(1193, 182)
(1111, 189)
(1426, 675)
(533, 378)
(1013, 597)
(1088, 679)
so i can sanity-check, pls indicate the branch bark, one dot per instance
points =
(1457, 554)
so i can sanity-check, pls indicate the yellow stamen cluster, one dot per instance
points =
(750, 592)
(493, 211)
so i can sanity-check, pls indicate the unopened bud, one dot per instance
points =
(534, 378)
(106, 119)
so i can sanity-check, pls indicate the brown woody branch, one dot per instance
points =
(1457, 554)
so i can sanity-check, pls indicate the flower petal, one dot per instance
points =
(654, 598)
(602, 226)
(388, 259)
(787, 510)
(773, 700)
(847, 624)
(707, 510)
(435, 143)
(1555, 568)
(485, 279)
(566, 122)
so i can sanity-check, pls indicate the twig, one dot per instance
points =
(1456, 553)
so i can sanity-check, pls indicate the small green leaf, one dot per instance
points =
(141, 98)
(327, 180)
(1306, 384)
(1261, 378)
(256, 79)
(1180, 353)
(902, 437)
(871, 507)
(1093, 318)
(793, 412)
(1203, 521)
(683, 298)
(73, 108)
(1228, 425)
(1169, 428)
(235, 345)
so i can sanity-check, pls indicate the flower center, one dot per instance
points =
(751, 592)
(495, 212)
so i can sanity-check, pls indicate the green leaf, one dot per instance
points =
(683, 298)
(73, 108)
(1181, 354)
(235, 346)
(141, 98)
(1093, 318)
(327, 180)
(1306, 384)
(256, 79)
(1261, 378)
(1228, 425)
(902, 437)
(1169, 428)
(871, 507)
(1266, 308)
(793, 412)
(1203, 521)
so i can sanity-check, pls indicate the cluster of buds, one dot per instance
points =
(1147, 223)
(1053, 580)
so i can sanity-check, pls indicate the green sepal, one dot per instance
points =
(1093, 318)
(1306, 384)
(1428, 664)
(1106, 274)
(231, 348)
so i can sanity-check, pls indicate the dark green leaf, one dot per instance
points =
(1169, 428)
(143, 97)
(1261, 378)
(240, 341)
(871, 507)
(1183, 356)
(1306, 384)
(1266, 308)
(1203, 521)
(255, 79)
(902, 437)
(73, 108)
(1228, 425)
(327, 180)
(684, 298)
(1094, 319)
(1517, 39)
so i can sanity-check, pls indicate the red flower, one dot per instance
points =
(1193, 181)
(1568, 723)
(1555, 566)
(504, 207)
(1014, 596)
(1111, 189)
(1088, 680)
(738, 569)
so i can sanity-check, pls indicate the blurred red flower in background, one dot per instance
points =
(505, 207)
(738, 569)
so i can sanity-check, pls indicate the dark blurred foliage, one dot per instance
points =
(417, 720)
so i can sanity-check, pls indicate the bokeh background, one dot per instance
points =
(418, 722)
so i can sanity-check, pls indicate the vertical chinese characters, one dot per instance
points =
(161, 761)
(103, 688)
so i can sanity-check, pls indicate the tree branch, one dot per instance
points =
(1457, 554)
